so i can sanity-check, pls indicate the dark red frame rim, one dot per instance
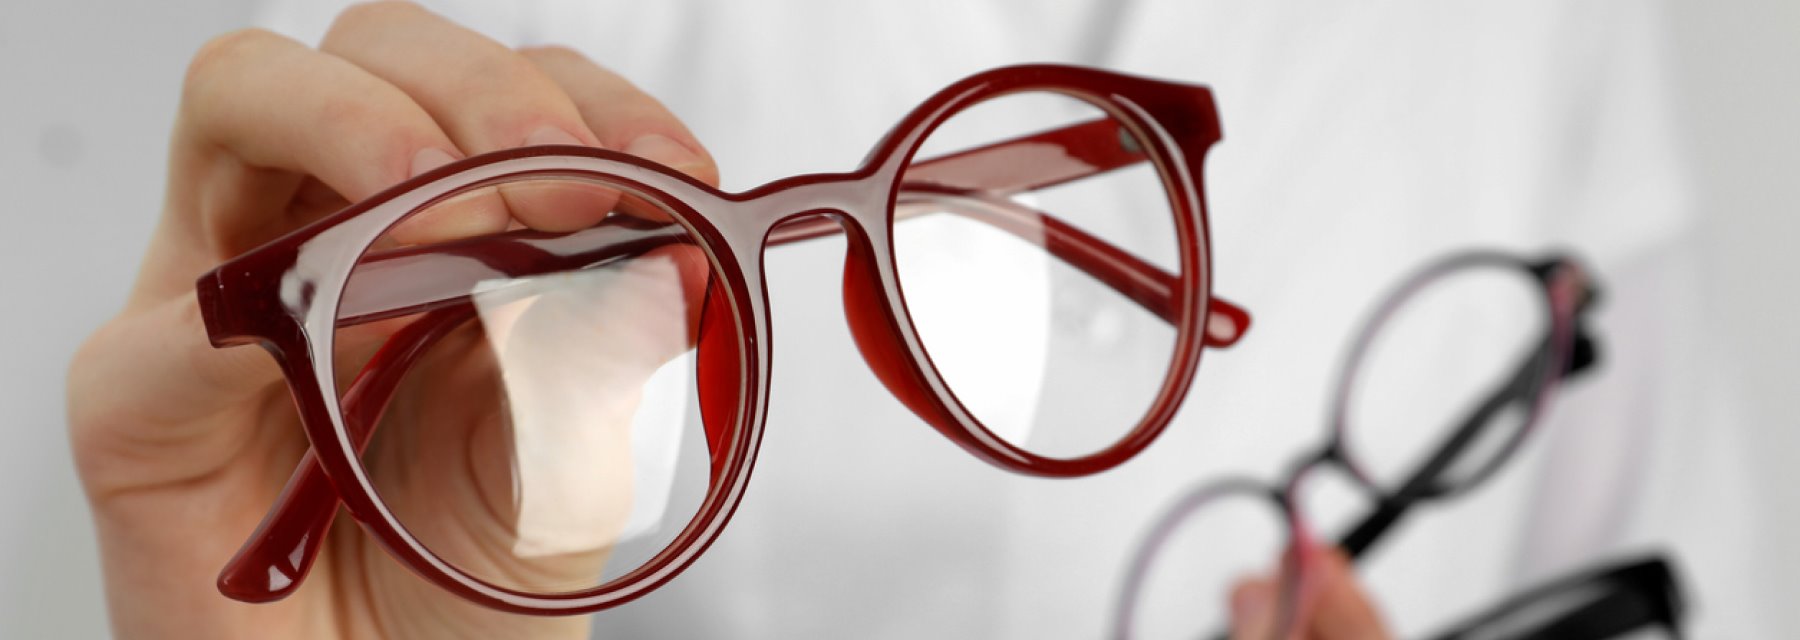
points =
(284, 296)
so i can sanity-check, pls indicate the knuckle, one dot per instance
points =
(499, 66)
(220, 51)
(386, 124)
(504, 72)
(367, 114)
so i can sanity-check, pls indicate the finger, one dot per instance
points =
(624, 117)
(486, 96)
(1341, 609)
(1253, 609)
(274, 103)
(254, 102)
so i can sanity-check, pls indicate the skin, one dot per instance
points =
(1332, 605)
(182, 447)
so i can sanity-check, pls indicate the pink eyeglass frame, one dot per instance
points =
(291, 295)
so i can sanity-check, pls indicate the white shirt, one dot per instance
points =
(1359, 142)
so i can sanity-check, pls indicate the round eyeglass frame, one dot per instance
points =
(1565, 349)
(286, 295)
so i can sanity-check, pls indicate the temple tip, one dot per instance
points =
(1226, 323)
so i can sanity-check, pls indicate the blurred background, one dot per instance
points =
(88, 91)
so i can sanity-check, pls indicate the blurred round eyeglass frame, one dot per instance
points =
(289, 296)
(1564, 349)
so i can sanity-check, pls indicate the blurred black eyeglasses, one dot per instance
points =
(1490, 335)
(1639, 598)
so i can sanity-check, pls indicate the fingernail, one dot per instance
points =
(669, 153)
(550, 135)
(430, 158)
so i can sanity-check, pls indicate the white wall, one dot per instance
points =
(1740, 97)
(88, 89)
(87, 94)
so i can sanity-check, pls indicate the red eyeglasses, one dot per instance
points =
(559, 417)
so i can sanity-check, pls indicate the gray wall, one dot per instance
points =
(87, 94)
(88, 90)
(1740, 97)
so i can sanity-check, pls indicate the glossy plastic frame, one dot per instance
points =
(290, 296)
(1564, 350)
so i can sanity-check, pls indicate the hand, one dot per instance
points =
(182, 447)
(1332, 605)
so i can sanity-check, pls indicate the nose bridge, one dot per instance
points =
(1298, 477)
(1299, 474)
(858, 200)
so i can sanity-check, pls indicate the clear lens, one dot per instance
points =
(546, 436)
(1044, 355)
(1455, 366)
(1186, 592)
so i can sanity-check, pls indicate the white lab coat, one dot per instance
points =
(1360, 140)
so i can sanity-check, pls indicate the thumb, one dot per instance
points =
(155, 368)
(145, 394)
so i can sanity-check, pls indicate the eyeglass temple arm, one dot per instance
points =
(404, 282)
(1367, 532)
(436, 281)
(407, 281)
(1032, 162)
(1633, 596)
(278, 555)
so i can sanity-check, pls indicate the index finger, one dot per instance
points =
(624, 117)
(275, 103)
